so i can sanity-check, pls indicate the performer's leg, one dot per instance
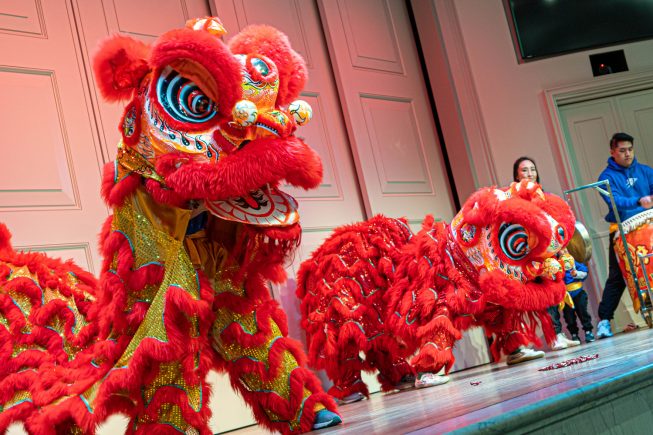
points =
(580, 301)
(346, 375)
(436, 353)
(614, 285)
(506, 333)
(555, 318)
(170, 404)
(431, 358)
(570, 319)
(265, 366)
(392, 368)
(512, 343)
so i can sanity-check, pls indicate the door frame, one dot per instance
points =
(606, 86)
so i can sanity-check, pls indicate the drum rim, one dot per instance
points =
(633, 222)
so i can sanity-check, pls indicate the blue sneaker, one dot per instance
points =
(326, 418)
(603, 329)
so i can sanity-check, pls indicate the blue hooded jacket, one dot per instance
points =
(628, 185)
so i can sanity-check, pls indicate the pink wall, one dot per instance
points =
(509, 95)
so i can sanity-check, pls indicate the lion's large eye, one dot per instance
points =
(183, 99)
(261, 66)
(513, 240)
(260, 71)
(559, 233)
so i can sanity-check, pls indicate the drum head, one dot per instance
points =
(580, 246)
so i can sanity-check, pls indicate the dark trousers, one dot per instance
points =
(580, 310)
(555, 318)
(614, 285)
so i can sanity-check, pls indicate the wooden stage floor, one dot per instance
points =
(506, 395)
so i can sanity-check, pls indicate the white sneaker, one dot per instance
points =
(523, 354)
(426, 380)
(562, 342)
(570, 342)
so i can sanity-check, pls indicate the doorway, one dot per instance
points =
(586, 116)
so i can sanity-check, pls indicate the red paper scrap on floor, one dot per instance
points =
(570, 362)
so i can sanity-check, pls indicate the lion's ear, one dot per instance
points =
(481, 205)
(274, 44)
(119, 64)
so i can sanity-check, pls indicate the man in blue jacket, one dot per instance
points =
(632, 187)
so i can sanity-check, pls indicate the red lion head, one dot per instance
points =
(210, 122)
(511, 237)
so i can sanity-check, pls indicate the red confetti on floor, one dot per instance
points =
(570, 362)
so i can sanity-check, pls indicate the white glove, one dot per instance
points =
(580, 274)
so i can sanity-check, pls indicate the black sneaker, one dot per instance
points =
(575, 337)
(406, 383)
(589, 337)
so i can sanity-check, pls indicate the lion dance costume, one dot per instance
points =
(378, 288)
(198, 228)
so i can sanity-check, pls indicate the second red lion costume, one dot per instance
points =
(378, 288)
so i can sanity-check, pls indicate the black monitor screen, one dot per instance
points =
(550, 27)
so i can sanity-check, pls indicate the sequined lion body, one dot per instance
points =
(402, 299)
(198, 228)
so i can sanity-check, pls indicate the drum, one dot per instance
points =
(580, 245)
(639, 237)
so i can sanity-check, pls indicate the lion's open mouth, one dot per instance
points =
(266, 206)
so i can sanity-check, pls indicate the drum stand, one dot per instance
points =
(642, 293)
